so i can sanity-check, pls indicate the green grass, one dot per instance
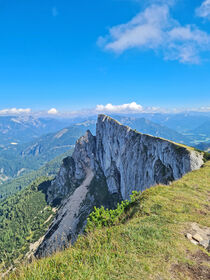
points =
(148, 242)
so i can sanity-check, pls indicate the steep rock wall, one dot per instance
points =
(79, 186)
(134, 161)
(105, 169)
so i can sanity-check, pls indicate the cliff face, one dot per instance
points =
(105, 169)
(133, 161)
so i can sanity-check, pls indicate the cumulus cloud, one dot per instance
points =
(186, 43)
(204, 10)
(52, 111)
(124, 108)
(144, 30)
(15, 111)
(155, 29)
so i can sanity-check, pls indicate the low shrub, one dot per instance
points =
(102, 217)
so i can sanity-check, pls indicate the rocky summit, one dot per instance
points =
(105, 169)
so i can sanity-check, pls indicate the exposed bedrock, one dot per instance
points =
(105, 169)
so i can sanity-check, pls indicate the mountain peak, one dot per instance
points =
(106, 168)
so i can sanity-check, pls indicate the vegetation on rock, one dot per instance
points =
(102, 217)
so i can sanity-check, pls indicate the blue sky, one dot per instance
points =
(71, 55)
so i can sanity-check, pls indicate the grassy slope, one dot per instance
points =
(149, 244)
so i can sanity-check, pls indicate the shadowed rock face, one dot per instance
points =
(105, 169)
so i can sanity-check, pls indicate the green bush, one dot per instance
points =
(206, 156)
(102, 217)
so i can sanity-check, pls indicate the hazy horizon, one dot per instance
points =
(130, 109)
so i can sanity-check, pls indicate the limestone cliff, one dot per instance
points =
(134, 161)
(105, 169)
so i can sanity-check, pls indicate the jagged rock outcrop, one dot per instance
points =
(105, 169)
(135, 161)
(74, 169)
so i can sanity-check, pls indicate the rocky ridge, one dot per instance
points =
(105, 169)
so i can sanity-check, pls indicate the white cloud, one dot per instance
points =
(204, 10)
(186, 43)
(15, 111)
(155, 29)
(124, 108)
(144, 30)
(52, 111)
(54, 12)
(134, 108)
(203, 109)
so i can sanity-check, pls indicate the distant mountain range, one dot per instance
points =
(18, 159)
(23, 129)
(180, 122)
(203, 130)
(203, 146)
(194, 126)
(27, 143)
(148, 127)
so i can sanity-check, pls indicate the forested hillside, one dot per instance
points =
(49, 169)
(16, 160)
(24, 218)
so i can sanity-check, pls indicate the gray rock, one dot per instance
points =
(134, 161)
(205, 243)
(194, 241)
(105, 169)
(197, 237)
(189, 236)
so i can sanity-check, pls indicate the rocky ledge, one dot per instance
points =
(105, 169)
